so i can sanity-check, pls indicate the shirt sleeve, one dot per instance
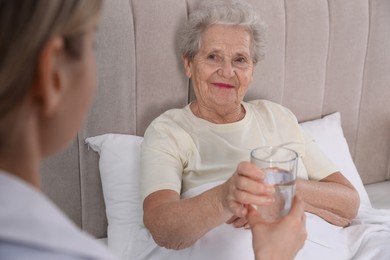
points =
(161, 158)
(317, 164)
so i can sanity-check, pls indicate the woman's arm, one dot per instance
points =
(177, 224)
(332, 198)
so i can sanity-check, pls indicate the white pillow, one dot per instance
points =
(119, 166)
(329, 136)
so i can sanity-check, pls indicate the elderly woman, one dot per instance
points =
(207, 143)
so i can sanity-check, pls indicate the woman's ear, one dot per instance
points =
(48, 85)
(187, 66)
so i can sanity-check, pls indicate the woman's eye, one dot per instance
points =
(212, 57)
(241, 60)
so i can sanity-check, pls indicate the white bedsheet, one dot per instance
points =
(367, 238)
(369, 234)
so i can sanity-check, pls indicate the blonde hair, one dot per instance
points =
(25, 27)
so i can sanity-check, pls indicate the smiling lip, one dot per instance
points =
(223, 85)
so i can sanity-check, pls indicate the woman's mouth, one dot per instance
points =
(223, 85)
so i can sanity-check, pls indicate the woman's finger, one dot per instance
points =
(232, 220)
(244, 197)
(253, 216)
(240, 222)
(250, 170)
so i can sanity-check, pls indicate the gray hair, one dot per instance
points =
(25, 27)
(223, 12)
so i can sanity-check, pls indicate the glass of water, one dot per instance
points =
(279, 165)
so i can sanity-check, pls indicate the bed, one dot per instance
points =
(328, 61)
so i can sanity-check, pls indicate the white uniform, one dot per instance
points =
(32, 227)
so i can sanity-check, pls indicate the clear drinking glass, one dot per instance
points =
(279, 165)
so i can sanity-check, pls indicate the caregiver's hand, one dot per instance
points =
(281, 239)
(245, 187)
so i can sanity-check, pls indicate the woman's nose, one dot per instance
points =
(227, 69)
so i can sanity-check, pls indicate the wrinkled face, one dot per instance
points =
(223, 68)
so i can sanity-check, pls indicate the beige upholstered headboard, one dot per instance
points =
(323, 56)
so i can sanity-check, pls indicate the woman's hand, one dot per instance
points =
(281, 239)
(244, 188)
